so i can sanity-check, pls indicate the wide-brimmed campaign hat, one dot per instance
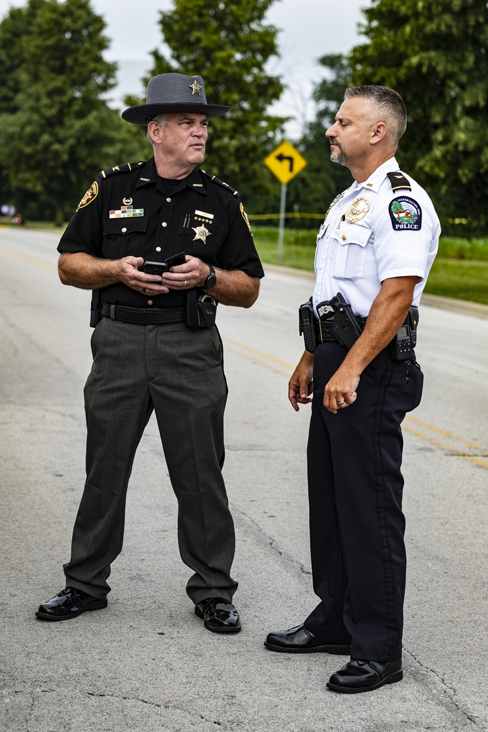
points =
(173, 93)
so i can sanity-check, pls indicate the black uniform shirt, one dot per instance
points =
(128, 211)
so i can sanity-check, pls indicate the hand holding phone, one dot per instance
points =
(159, 268)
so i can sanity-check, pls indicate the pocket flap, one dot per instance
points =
(122, 227)
(352, 234)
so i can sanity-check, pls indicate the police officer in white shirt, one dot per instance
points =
(375, 248)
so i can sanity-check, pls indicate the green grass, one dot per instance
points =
(459, 271)
(299, 246)
(459, 278)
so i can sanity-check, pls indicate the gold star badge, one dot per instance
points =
(195, 88)
(201, 233)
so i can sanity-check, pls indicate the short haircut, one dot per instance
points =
(162, 120)
(390, 103)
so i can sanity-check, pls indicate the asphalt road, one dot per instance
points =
(146, 663)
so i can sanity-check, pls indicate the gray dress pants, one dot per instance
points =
(178, 372)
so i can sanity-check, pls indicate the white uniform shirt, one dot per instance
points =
(383, 235)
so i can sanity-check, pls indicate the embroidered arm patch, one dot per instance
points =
(244, 216)
(405, 214)
(89, 196)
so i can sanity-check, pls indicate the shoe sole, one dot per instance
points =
(391, 679)
(333, 650)
(199, 614)
(99, 605)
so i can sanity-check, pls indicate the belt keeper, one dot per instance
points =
(112, 312)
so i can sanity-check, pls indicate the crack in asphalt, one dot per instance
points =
(164, 705)
(447, 688)
(272, 542)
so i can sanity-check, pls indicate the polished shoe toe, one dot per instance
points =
(69, 603)
(218, 615)
(301, 640)
(358, 676)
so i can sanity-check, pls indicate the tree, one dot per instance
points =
(228, 44)
(56, 129)
(435, 54)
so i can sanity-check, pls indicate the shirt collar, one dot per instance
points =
(149, 175)
(375, 180)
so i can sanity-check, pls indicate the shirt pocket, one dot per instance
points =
(351, 241)
(122, 237)
(205, 249)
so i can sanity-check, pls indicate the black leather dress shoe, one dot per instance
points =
(301, 640)
(358, 676)
(218, 615)
(69, 604)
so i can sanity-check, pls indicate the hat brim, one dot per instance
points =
(138, 115)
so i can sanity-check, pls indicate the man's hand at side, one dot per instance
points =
(300, 385)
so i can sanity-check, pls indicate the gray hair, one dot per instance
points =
(162, 120)
(390, 103)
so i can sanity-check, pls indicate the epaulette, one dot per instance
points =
(126, 168)
(398, 181)
(220, 183)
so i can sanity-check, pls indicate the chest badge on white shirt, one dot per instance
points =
(357, 210)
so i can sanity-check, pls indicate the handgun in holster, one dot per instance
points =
(346, 326)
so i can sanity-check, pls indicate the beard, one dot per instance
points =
(338, 157)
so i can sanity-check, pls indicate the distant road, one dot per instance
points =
(145, 663)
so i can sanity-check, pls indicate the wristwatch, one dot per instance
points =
(211, 279)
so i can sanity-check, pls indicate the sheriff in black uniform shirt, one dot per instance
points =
(145, 354)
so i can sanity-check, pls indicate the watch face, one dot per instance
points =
(210, 281)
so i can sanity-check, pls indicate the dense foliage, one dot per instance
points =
(229, 45)
(435, 54)
(56, 129)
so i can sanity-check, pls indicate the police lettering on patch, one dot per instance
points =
(405, 214)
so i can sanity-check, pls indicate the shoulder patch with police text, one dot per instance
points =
(89, 196)
(245, 217)
(405, 214)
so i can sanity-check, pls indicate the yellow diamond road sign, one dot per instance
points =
(285, 162)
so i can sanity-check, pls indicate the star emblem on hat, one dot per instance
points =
(195, 88)
(201, 232)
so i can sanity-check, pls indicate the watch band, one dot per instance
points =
(211, 279)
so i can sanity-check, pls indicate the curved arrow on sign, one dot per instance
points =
(282, 157)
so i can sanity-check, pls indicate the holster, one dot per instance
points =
(200, 310)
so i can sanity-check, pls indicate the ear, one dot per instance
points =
(378, 133)
(155, 131)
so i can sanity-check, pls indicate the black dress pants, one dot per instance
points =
(177, 372)
(356, 521)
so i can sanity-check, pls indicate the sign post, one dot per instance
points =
(284, 162)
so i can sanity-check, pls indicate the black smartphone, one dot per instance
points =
(175, 260)
(154, 268)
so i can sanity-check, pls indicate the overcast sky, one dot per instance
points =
(310, 28)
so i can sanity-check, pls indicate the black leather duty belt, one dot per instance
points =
(143, 316)
(324, 329)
